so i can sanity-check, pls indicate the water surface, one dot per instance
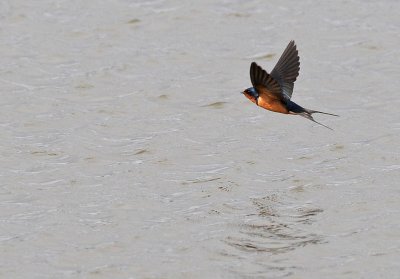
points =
(128, 152)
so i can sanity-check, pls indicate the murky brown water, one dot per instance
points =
(128, 152)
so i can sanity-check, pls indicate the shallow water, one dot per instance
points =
(128, 152)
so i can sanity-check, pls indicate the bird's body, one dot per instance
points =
(270, 102)
(273, 91)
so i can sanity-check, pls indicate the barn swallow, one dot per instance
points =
(273, 91)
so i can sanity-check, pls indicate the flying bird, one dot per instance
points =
(273, 91)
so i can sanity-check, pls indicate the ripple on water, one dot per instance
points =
(277, 226)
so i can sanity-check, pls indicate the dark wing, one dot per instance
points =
(287, 69)
(259, 77)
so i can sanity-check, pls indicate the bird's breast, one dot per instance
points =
(272, 104)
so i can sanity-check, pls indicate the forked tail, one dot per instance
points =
(307, 113)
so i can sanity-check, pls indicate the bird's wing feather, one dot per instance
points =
(287, 69)
(259, 77)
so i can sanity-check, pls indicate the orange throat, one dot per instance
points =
(251, 98)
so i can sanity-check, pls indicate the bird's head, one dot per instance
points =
(251, 94)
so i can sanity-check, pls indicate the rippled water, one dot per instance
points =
(128, 152)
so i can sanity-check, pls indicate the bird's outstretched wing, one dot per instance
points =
(287, 69)
(260, 78)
